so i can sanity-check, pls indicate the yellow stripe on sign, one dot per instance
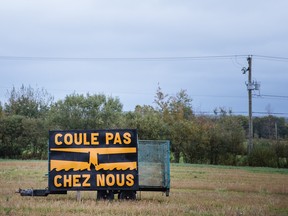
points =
(67, 165)
(117, 166)
(80, 166)
(93, 152)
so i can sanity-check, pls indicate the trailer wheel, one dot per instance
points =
(105, 195)
(127, 195)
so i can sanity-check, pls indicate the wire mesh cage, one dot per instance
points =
(154, 163)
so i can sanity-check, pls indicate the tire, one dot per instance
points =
(127, 195)
(105, 195)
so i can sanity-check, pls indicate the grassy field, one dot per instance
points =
(195, 190)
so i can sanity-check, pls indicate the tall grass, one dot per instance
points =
(195, 190)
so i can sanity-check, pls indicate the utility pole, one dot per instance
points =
(250, 86)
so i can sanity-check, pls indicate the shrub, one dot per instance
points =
(263, 155)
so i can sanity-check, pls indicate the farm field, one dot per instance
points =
(195, 190)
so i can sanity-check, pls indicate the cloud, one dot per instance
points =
(129, 28)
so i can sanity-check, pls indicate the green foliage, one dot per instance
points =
(11, 139)
(30, 113)
(263, 155)
(35, 135)
(193, 141)
(85, 112)
(24, 130)
(161, 100)
(22, 137)
(180, 106)
(270, 127)
(1, 110)
(175, 111)
(226, 137)
(147, 121)
(281, 149)
(29, 102)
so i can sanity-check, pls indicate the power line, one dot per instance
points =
(271, 113)
(270, 58)
(162, 58)
(244, 112)
(276, 96)
(171, 58)
(263, 96)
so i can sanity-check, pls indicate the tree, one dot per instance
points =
(35, 137)
(1, 110)
(175, 111)
(147, 121)
(226, 137)
(191, 139)
(281, 149)
(11, 136)
(86, 112)
(23, 128)
(180, 106)
(267, 127)
(263, 155)
(29, 102)
(161, 100)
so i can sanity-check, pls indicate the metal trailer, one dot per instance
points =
(154, 173)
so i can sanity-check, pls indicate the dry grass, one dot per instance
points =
(195, 190)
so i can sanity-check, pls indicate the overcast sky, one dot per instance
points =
(120, 48)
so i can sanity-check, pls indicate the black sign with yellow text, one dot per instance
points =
(93, 160)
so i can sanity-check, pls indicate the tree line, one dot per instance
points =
(29, 114)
